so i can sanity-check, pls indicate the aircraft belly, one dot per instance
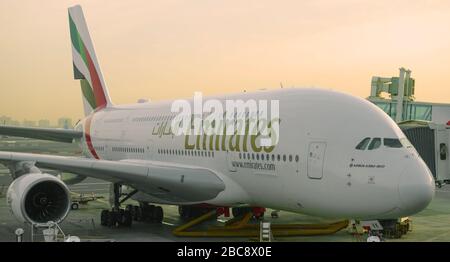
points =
(160, 198)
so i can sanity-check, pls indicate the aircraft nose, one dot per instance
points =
(416, 187)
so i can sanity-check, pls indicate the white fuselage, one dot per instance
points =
(314, 169)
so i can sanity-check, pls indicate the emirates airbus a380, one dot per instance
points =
(335, 155)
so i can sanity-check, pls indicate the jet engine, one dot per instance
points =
(38, 198)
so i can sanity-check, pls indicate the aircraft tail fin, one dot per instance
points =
(85, 65)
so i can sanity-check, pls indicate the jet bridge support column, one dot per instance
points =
(400, 94)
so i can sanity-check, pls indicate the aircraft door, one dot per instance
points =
(230, 159)
(316, 157)
(442, 154)
(149, 150)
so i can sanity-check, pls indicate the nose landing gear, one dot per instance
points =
(379, 230)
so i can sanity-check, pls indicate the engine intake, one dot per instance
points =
(39, 198)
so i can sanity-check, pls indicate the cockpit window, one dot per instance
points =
(392, 142)
(376, 142)
(363, 144)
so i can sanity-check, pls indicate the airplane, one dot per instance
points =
(337, 156)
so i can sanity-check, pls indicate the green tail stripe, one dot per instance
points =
(87, 93)
(76, 40)
(76, 73)
(74, 34)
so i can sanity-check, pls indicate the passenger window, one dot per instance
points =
(363, 144)
(443, 151)
(376, 142)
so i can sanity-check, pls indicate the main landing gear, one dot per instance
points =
(190, 212)
(146, 213)
(118, 217)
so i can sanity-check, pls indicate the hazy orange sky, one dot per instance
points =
(169, 49)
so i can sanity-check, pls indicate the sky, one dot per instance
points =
(167, 49)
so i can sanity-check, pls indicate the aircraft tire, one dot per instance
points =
(137, 214)
(74, 206)
(158, 214)
(104, 217)
(111, 219)
(127, 218)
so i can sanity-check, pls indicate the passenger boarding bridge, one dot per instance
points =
(427, 125)
(410, 109)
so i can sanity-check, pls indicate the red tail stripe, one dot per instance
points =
(87, 135)
(100, 98)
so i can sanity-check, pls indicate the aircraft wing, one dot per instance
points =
(53, 134)
(165, 181)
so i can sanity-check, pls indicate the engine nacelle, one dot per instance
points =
(38, 198)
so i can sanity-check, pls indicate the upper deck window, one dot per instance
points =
(363, 144)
